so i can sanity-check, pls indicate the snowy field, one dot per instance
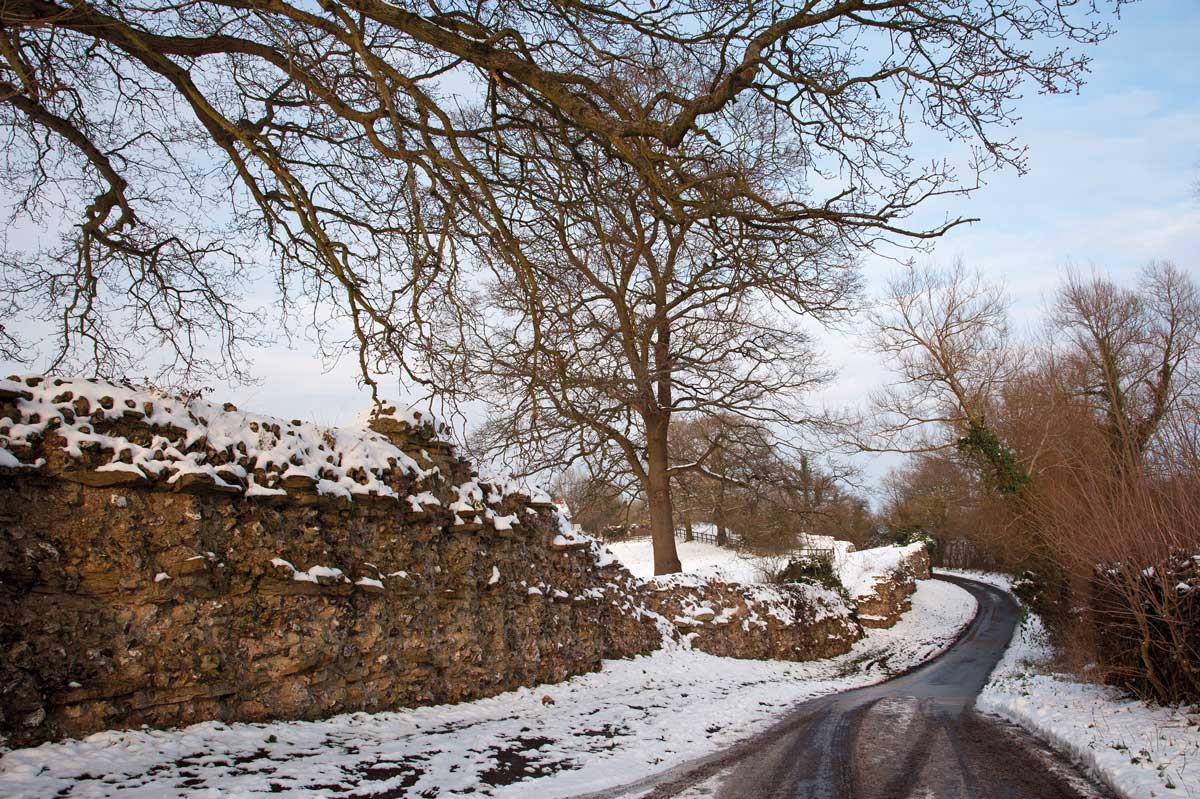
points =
(704, 560)
(1139, 750)
(857, 570)
(634, 718)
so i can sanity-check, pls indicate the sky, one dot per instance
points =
(1111, 185)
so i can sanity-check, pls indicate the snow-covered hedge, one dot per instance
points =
(1139, 750)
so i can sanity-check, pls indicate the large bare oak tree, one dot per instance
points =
(634, 311)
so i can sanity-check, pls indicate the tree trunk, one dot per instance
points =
(719, 517)
(658, 493)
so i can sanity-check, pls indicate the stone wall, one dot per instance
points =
(890, 596)
(126, 599)
(791, 621)
(166, 561)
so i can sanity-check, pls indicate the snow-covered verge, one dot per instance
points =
(1139, 750)
(632, 719)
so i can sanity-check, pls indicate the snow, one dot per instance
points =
(418, 502)
(504, 522)
(411, 415)
(313, 572)
(860, 571)
(470, 497)
(756, 599)
(1140, 751)
(633, 719)
(703, 560)
(198, 437)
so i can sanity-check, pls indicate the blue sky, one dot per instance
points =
(1112, 184)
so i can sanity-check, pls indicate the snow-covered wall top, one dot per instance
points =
(142, 435)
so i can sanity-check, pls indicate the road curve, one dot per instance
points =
(917, 735)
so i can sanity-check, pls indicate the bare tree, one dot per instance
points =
(942, 495)
(751, 484)
(645, 313)
(181, 154)
(1132, 352)
(1091, 435)
(947, 334)
(594, 503)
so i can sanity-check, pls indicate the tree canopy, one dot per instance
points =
(177, 157)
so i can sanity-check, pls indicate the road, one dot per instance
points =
(917, 735)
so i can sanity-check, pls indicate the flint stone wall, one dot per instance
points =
(165, 562)
(891, 596)
(168, 604)
(790, 621)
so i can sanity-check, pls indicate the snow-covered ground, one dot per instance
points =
(723, 563)
(1139, 750)
(703, 560)
(860, 571)
(632, 719)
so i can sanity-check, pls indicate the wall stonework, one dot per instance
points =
(890, 597)
(158, 604)
(95, 637)
(167, 561)
(791, 621)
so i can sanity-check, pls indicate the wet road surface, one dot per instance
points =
(914, 736)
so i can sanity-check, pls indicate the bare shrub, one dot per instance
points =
(1128, 547)
(1087, 446)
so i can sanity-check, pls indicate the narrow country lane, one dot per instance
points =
(914, 736)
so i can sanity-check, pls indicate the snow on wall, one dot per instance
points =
(148, 435)
(791, 621)
(247, 452)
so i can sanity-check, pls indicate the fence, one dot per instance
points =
(706, 538)
(807, 553)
